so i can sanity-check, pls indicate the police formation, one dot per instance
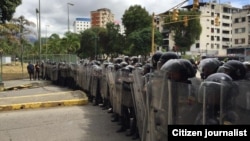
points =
(144, 97)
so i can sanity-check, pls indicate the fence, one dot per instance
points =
(52, 57)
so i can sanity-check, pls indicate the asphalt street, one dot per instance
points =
(73, 123)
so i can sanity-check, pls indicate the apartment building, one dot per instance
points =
(81, 24)
(232, 31)
(101, 17)
(241, 27)
(215, 39)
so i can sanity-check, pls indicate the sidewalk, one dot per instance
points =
(26, 94)
(15, 84)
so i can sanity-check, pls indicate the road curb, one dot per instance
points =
(68, 98)
(47, 104)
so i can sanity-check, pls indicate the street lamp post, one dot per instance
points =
(46, 41)
(39, 33)
(69, 4)
(1, 75)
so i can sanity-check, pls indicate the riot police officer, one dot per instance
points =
(234, 68)
(165, 57)
(208, 66)
(179, 70)
(155, 58)
(217, 95)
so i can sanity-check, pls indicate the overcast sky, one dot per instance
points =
(55, 13)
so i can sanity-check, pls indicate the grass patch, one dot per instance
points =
(14, 71)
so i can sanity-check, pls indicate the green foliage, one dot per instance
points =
(8, 9)
(135, 18)
(142, 41)
(184, 36)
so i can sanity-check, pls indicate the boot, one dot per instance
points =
(123, 125)
(116, 118)
(131, 130)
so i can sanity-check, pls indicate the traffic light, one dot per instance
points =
(195, 4)
(217, 21)
(185, 19)
(175, 15)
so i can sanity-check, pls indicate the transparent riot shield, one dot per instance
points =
(126, 93)
(217, 101)
(242, 106)
(112, 90)
(54, 72)
(118, 94)
(153, 96)
(104, 83)
(89, 77)
(139, 102)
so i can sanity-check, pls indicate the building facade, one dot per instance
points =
(81, 24)
(233, 29)
(101, 17)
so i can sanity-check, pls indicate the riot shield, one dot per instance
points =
(126, 93)
(153, 96)
(139, 102)
(104, 83)
(112, 90)
(217, 100)
(118, 90)
(242, 106)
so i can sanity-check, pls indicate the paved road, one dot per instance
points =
(74, 123)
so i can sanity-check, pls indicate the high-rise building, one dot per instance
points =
(81, 24)
(101, 17)
(223, 27)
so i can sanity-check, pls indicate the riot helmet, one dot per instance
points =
(118, 60)
(155, 58)
(165, 57)
(178, 70)
(208, 66)
(147, 68)
(123, 64)
(234, 68)
(134, 60)
(126, 59)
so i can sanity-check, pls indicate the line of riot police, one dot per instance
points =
(144, 98)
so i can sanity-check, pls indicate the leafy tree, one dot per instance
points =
(185, 36)
(142, 41)
(71, 42)
(24, 30)
(92, 42)
(8, 8)
(87, 44)
(135, 18)
(114, 44)
(54, 44)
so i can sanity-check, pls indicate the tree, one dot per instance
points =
(54, 44)
(71, 42)
(87, 44)
(184, 36)
(142, 41)
(8, 8)
(114, 41)
(24, 29)
(135, 18)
